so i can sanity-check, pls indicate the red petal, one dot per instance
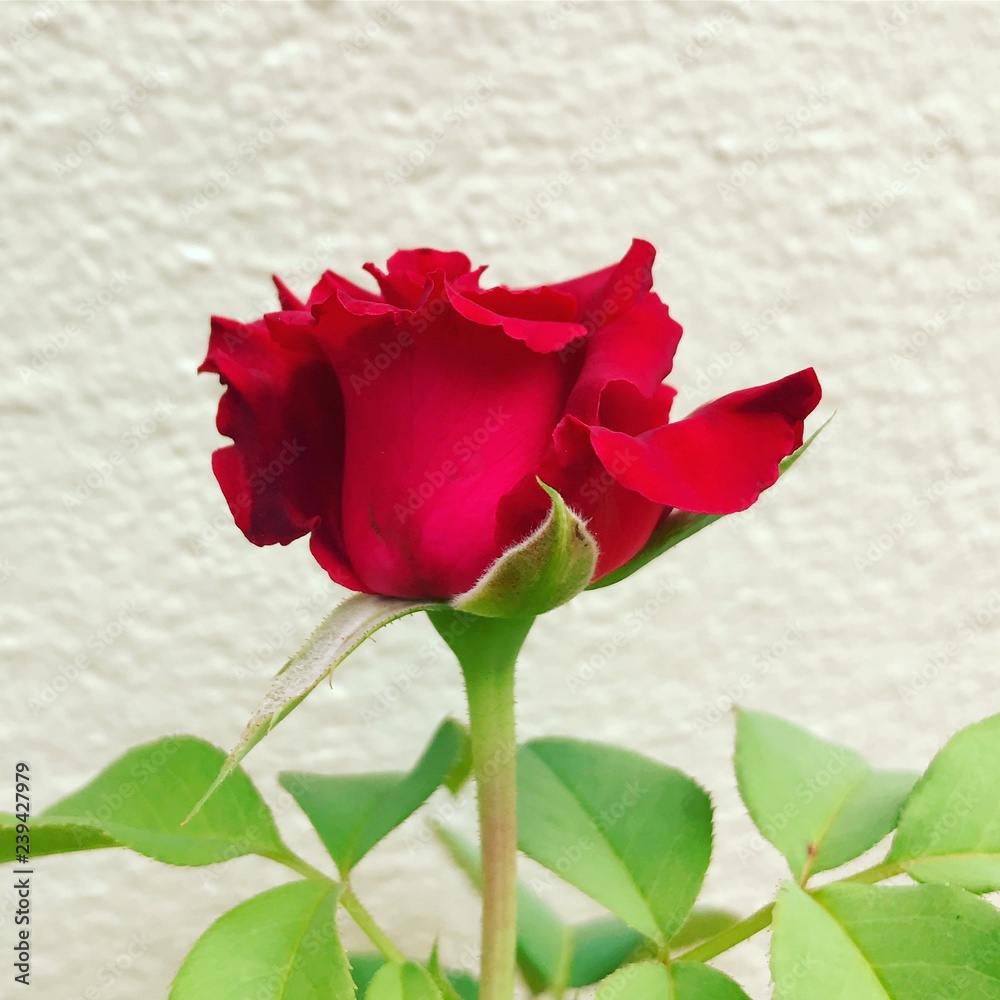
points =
(634, 271)
(287, 298)
(443, 418)
(425, 260)
(331, 283)
(542, 335)
(527, 303)
(283, 410)
(408, 270)
(720, 458)
(632, 336)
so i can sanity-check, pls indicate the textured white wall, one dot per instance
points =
(847, 600)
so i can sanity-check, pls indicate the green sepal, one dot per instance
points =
(339, 634)
(550, 567)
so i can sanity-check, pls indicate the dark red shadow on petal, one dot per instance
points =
(283, 409)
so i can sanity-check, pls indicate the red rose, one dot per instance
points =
(406, 431)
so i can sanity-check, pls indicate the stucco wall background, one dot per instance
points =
(821, 181)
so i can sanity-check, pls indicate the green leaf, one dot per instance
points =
(681, 525)
(550, 952)
(950, 828)
(598, 948)
(339, 634)
(140, 802)
(704, 922)
(550, 567)
(629, 832)
(645, 981)
(403, 982)
(48, 837)
(461, 771)
(352, 813)
(280, 945)
(363, 969)
(694, 981)
(453, 985)
(861, 942)
(365, 966)
(682, 981)
(820, 804)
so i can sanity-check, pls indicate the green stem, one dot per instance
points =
(300, 865)
(731, 936)
(877, 873)
(349, 901)
(756, 922)
(366, 922)
(487, 650)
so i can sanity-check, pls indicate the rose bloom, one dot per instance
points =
(405, 430)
